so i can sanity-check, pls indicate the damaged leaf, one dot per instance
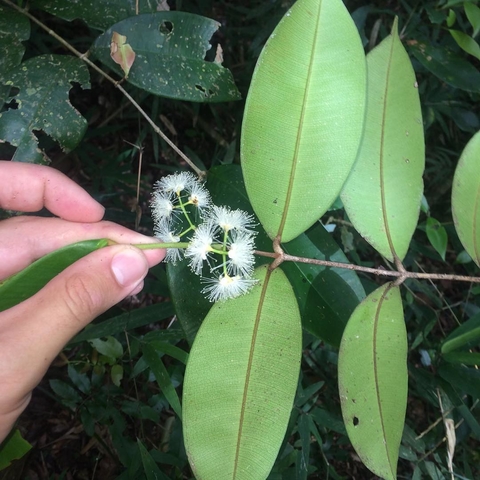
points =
(42, 105)
(170, 49)
(99, 14)
(121, 52)
(15, 28)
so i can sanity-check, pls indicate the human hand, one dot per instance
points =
(33, 332)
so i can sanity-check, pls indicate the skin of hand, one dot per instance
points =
(33, 332)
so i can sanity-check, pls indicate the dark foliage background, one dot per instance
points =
(83, 426)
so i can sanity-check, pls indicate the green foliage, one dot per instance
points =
(316, 113)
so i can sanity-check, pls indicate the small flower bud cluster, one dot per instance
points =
(221, 238)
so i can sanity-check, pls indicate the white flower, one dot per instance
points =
(162, 206)
(200, 246)
(176, 182)
(165, 234)
(241, 259)
(199, 196)
(225, 287)
(228, 219)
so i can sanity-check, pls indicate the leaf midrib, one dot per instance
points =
(249, 369)
(299, 130)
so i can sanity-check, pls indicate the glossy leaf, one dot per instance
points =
(240, 381)
(15, 29)
(466, 198)
(96, 13)
(170, 48)
(383, 193)
(30, 280)
(437, 236)
(303, 116)
(372, 376)
(447, 65)
(42, 103)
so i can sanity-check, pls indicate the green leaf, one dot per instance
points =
(110, 347)
(30, 280)
(326, 296)
(473, 14)
(303, 116)
(466, 198)
(466, 43)
(383, 193)
(69, 396)
(43, 104)
(372, 377)
(452, 18)
(168, 349)
(162, 377)
(95, 13)
(13, 448)
(437, 236)
(15, 28)
(240, 381)
(190, 304)
(447, 65)
(152, 472)
(125, 322)
(170, 48)
(466, 335)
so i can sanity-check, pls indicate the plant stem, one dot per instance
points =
(376, 271)
(116, 83)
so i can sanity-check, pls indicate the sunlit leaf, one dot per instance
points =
(437, 236)
(170, 49)
(303, 116)
(30, 280)
(383, 193)
(240, 381)
(372, 377)
(42, 103)
(466, 198)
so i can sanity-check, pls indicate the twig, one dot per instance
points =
(116, 84)
(376, 271)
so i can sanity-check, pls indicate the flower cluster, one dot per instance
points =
(218, 238)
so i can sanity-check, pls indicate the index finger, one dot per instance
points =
(26, 187)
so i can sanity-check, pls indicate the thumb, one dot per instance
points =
(44, 323)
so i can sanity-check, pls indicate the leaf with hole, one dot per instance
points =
(466, 198)
(373, 379)
(240, 381)
(383, 193)
(170, 50)
(303, 117)
(42, 104)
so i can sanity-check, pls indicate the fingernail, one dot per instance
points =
(129, 267)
